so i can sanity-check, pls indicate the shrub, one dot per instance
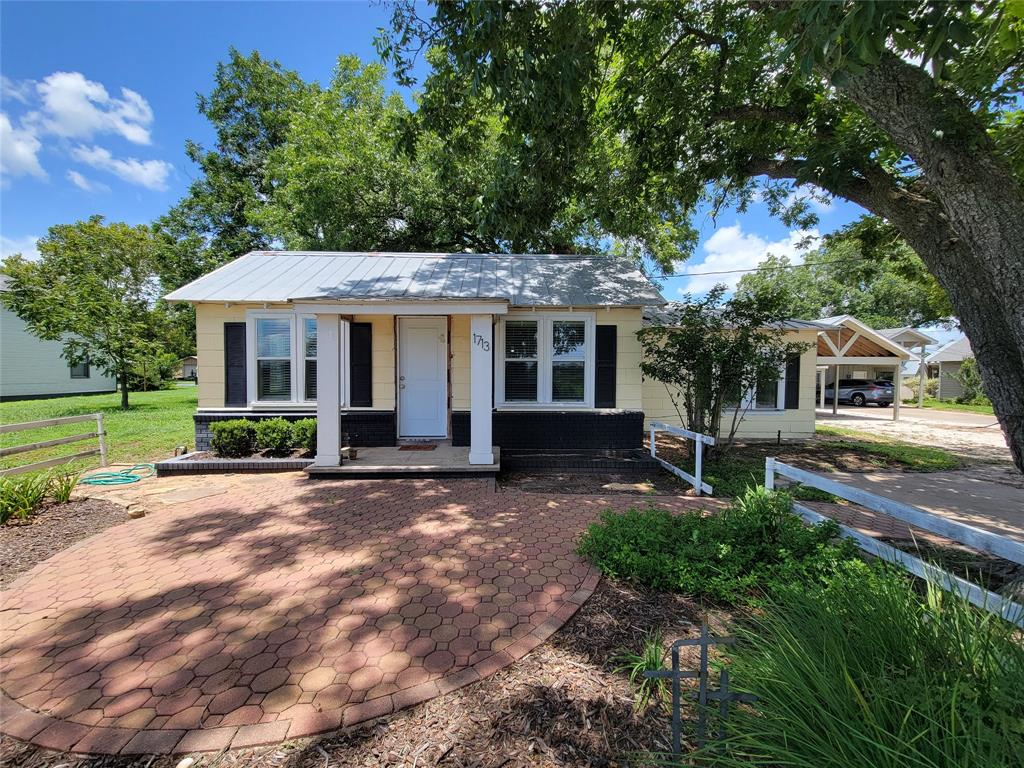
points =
(304, 434)
(274, 436)
(863, 672)
(753, 544)
(20, 495)
(970, 381)
(651, 658)
(61, 483)
(233, 439)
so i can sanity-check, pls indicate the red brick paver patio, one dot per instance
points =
(286, 608)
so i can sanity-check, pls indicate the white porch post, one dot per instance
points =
(896, 399)
(922, 375)
(481, 355)
(822, 376)
(328, 391)
(835, 390)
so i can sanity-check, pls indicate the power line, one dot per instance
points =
(763, 266)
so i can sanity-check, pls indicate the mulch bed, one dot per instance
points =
(563, 705)
(54, 527)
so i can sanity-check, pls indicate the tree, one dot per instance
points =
(92, 288)
(970, 381)
(709, 353)
(866, 270)
(909, 108)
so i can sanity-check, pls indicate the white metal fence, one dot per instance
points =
(699, 441)
(100, 450)
(983, 541)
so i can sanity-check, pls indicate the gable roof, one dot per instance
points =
(953, 352)
(866, 341)
(520, 279)
(908, 332)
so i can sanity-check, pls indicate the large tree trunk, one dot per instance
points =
(124, 389)
(966, 223)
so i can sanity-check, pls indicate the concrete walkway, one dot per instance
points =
(244, 610)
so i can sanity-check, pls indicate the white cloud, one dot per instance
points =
(26, 246)
(19, 90)
(88, 185)
(730, 248)
(19, 151)
(74, 107)
(151, 174)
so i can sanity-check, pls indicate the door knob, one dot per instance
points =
(401, 386)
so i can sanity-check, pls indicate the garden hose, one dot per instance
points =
(123, 477)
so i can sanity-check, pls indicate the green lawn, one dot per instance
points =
(914, 458)
(155, 424)
(949, 405)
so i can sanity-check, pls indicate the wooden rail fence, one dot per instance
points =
(699, 441)
(98, 434)
(976, 538)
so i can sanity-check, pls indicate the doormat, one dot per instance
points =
(417, 447)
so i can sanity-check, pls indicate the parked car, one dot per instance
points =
(862, 392)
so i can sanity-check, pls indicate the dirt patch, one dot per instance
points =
(54, 527)
(658, 482)
(562, 705)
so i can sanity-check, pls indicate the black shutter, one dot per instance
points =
(604, 368)
(360, 359)
(235, 379)
(793, 382)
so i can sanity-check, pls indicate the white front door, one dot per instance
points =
(422, 377)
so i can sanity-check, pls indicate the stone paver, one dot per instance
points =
(285, 607)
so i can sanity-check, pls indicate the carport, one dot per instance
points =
(846, 343)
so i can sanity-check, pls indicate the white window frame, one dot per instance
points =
(749, 401)
(298, 359)
(545, 359)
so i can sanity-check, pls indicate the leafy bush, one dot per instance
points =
(931, 386)
(755, 543)
(20, 495)
(233, 439)
(61, 483)
(304, 434)
(970, 381)
(274, 436)
(863, 673)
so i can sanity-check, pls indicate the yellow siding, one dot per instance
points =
(460, 364)
(383, 359)
(795, 423)
(628, 380)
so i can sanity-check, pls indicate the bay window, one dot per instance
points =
(546, 360)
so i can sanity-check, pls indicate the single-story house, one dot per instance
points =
(916, 368)
(32, 368)
(187, 367)
(850, 349)
(945, 364)
(484, 351)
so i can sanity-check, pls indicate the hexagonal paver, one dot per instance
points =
(284, 606)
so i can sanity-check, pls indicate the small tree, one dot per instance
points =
(93, 288)
(970, 380)
(710, 352)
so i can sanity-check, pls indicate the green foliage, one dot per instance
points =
(970, 380)
(93, 289)
(20, 495)
(864, 269)
(863, 673)
(61, 483)
(233, 439)
(931, 388)
(651, 658)
(711, 351)
(913, 458)
(274, 436)
(154, 371)
(304, 434)
(755, 543)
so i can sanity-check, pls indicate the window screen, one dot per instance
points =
(521, 361)
(568, 338)
(273, 358)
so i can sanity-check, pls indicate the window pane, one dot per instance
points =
(521, 339)
(309, 336)
(567, 339)
(273, 337)
(520, 381)
(80, 371)
(273, 380)
(567, 382)
(767, 392)
(311, 379)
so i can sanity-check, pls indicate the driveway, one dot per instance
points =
(250, 609)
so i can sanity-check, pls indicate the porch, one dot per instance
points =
(411, 460)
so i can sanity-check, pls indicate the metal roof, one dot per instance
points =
(666, 315)
(909, 331)
(521, 280)
(953, 352)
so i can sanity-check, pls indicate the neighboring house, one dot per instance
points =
(850, 349)
(187, 367)
(946, 362)
(917, 368)
(33, 368)
(514, 351)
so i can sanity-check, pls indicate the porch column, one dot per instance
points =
(835, 390)
(481, 346)
(896, 399)
(922, 375)
(822, 377)
(328, 391)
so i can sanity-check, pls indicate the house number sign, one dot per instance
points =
(481, 342)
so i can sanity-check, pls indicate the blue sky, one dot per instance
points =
(99, 98)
